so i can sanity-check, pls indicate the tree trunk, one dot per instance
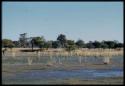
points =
(32, 46)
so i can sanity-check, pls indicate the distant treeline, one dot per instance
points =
(61, 42)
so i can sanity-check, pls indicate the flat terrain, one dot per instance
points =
(62, 70)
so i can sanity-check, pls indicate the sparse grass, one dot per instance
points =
(62, 52)
(49, 60)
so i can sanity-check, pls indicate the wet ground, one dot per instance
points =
(62, 70)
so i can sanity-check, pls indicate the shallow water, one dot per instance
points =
(64, 74)
(63, 60)
(45, 76)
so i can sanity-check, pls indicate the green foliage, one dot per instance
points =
(56, 44)
(119, 45)
(61, 42)
(39, 41)
(48, 44)
(90, 45)
(70, 45)
(103, 45)
(70, 42)
(7, 43)
(23, 40)
(17, 44)
(70, 48)
(97, 44)
(111, 44)
(80, 44)
(62, 39)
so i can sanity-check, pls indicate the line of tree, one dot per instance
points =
(63, 42)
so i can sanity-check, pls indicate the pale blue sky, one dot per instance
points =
(77, 20)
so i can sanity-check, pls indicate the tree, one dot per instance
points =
(70, 48)
(62, 39)
(16, 43)
(90, 45)
(56, 44)
(32, 43)
(23, 40)
(119, 45)
(97, 44)
(39, 41)
(70, 45)
(48, 44)
(110, 44)
(80, 44)
(104, 45)
(7, 43)
(70, 42)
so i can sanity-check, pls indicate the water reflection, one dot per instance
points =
(63, 70)
(64, 74)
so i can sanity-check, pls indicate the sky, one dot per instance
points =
(88, 21)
